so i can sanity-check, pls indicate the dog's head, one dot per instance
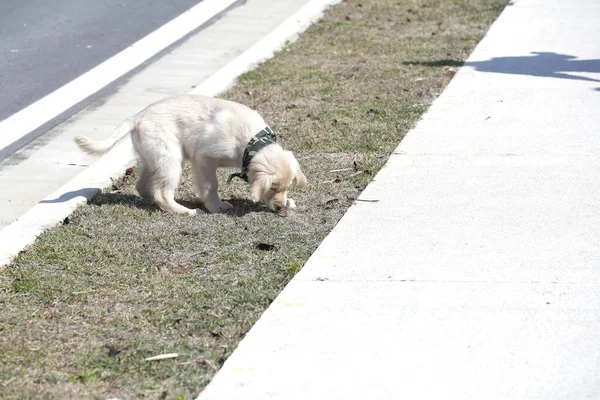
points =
(270, 174)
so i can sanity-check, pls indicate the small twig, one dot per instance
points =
(5, 384)
(340, 170)
(195, 360)
(367, 201)
(163, 357)
(210, 364)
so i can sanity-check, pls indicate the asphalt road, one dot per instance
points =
(45, 44)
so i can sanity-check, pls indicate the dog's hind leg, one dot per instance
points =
(160, 179)
(205, 177)
(165, 199)
(165, 184)
(144, 184)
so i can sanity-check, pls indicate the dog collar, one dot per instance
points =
(260, 140)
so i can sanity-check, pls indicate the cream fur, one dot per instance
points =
(209, 133)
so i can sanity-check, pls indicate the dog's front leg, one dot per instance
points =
(205, 177)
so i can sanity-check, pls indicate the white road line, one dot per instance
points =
(20, 124)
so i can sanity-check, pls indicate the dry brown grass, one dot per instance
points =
(122, 281)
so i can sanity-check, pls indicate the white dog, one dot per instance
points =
(209, 133)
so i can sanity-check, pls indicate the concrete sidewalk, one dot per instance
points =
(476, 274)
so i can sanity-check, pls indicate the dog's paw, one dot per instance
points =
(194, 211)
(290, 203)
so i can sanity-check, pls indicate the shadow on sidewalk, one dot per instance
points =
(85, 192)
(543, 64)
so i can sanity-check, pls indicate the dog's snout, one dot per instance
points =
(277, 208)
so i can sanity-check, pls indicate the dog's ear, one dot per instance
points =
(261, 184)
(299, 179)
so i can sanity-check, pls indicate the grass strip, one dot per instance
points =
(120, 281)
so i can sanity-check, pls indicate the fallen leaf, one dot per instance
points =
(112, 351)
(265, 247)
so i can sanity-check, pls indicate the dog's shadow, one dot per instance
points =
(241, 207)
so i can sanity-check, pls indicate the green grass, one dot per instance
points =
(122, 281)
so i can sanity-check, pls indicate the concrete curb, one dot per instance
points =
(54, 208)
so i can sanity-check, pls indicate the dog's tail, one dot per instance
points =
(101, 147)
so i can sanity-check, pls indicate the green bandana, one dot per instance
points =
(260, 140)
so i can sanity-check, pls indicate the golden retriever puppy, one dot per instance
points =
(209, 133)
